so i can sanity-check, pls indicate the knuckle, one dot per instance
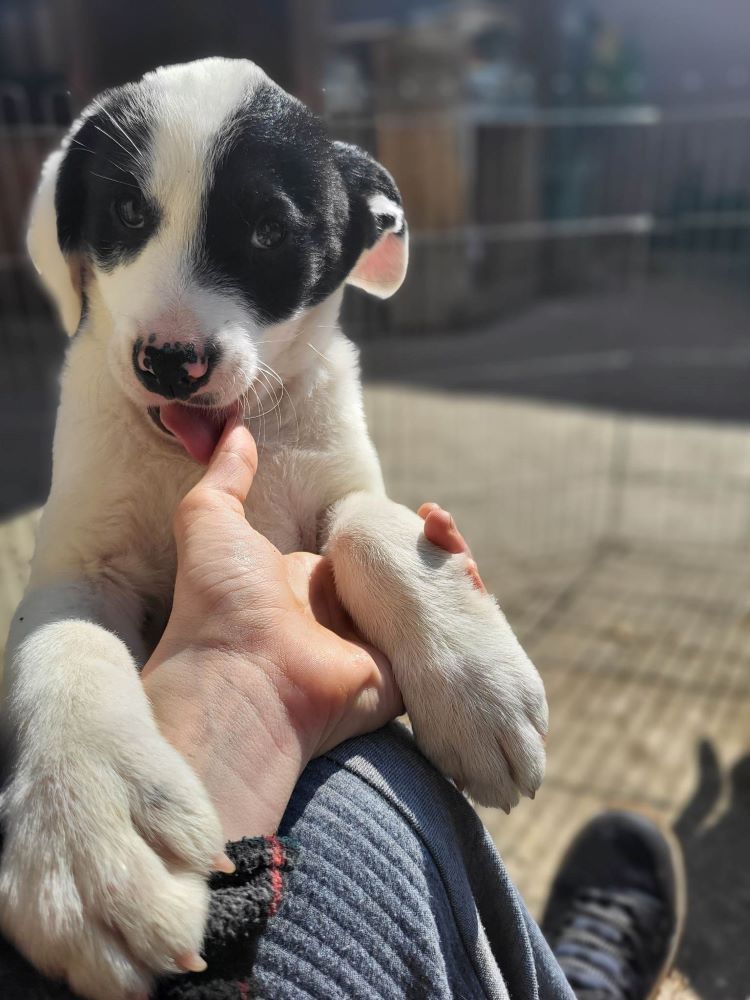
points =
(243, 460)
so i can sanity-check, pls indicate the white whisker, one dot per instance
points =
(319, 353)
(274, 374)
(262, 425)
(88, 149)
(112, 139)
(118, 125)
(277, 400)
(114, 180)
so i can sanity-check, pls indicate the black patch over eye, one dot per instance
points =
(269, 233)
(102, 210)
(131, 211)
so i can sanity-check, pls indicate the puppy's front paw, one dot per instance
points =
(106, 840)
(479, 710)
(486, 723)
(475, 700)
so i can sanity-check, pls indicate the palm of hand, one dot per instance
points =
(236, 594)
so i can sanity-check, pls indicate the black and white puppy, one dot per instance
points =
(196, 230)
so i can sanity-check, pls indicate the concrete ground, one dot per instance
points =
(618, 547)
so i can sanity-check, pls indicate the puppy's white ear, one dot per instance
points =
(61, 274)
(381, 268)
(379, 223)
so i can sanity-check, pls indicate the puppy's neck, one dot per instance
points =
(311, 365)
(297, 348)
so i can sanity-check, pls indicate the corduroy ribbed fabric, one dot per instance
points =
(398, 891)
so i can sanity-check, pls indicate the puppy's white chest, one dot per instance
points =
(274, 510)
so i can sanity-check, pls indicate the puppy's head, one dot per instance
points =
(195, 216)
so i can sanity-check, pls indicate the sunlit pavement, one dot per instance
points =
(618, 548)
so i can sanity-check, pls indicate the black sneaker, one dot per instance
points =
(616, 910)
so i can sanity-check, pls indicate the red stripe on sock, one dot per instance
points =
(277, 860)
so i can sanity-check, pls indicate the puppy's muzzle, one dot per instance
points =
(174, 370)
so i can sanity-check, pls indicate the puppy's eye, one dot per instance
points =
(131, 211)
(269, 233)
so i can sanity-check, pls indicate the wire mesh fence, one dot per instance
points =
(566, 370)
(556, 255)
(510, 208)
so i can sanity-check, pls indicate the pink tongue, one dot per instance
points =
(198, 430)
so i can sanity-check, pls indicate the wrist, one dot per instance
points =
(227, 715)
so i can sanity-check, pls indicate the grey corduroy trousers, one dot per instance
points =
(398, 891)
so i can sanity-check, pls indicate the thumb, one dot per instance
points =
(233, 464)
(373, 699)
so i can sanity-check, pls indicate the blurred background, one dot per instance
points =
(567, 367)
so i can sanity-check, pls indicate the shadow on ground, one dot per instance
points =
(714, 831)
(672, 348)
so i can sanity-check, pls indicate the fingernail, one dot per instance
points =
(222, 863)
(191, 961)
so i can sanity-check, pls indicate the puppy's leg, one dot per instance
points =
(107, 830)
(475, 700)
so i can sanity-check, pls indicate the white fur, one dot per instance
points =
(97, 792)
(43, 248)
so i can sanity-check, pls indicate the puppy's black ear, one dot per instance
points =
(377, 223)
(52, 238)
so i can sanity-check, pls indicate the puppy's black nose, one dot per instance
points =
(174, 370)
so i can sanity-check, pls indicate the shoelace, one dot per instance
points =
(605, 943)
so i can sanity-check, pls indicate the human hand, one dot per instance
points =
(260, 668)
